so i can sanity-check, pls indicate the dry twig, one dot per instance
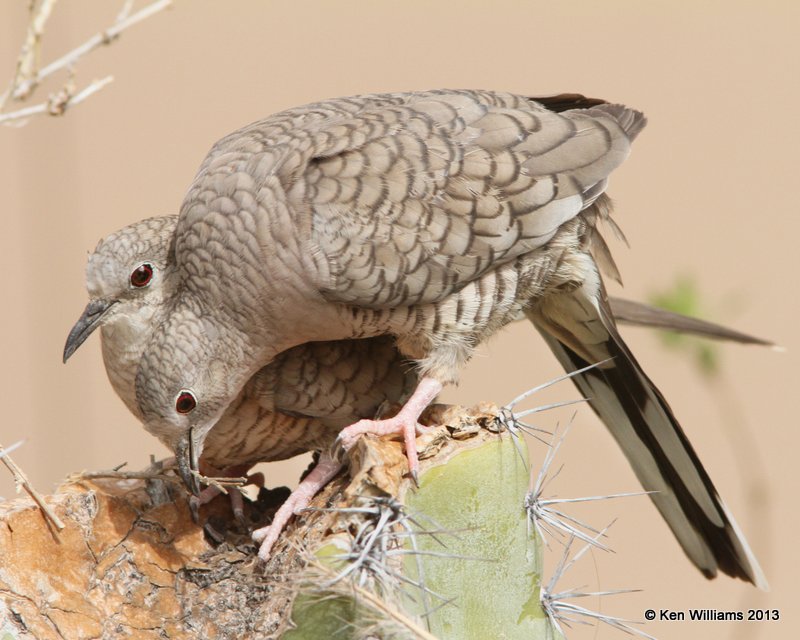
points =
(21, 480)
(221, 483)
(28, 76)
(123, 475)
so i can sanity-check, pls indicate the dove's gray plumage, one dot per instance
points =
(297, 403)
(305, 396)
(437, 217)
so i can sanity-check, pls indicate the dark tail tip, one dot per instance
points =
(568, 101)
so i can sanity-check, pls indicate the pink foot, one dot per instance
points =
(406, 422)
(299, 499)
(405, 425)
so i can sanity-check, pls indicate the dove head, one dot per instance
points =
(191, 371)
(126, 280)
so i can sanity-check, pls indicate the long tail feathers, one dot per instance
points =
(645, 315)
(580, 330)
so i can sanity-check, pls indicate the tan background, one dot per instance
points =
(710, 190)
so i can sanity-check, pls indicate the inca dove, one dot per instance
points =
(297, 403)
(435, 217)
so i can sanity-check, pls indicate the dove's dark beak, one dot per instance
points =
(89, 321)
(187, 457)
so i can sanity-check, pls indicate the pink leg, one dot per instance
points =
(405, 422)
(299, 499)
(236, 498)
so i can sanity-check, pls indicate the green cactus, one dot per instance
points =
(471, 531)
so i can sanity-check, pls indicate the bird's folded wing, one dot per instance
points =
(447, 185)
(346, 379)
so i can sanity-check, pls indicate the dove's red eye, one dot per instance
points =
(141, 275)
(185, 402)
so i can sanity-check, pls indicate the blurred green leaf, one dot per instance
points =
(684, 297)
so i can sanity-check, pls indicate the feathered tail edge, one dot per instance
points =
(580, 330)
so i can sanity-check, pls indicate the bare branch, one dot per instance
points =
(28, 60)
(13, 447)
(122, 475)
(220, 483)
(103, 38)
(125, 11)
(21, 480)
(58, 102)
(28, 76)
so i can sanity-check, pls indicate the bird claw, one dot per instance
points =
(237, 505)
(338, 450)
(267, 536)
(401, 424)
(320, 475)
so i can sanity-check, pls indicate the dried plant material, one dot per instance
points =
(21, 480)
(372, 557)
(128, 565)
(28, 75)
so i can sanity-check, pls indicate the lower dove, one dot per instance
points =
(298, 403)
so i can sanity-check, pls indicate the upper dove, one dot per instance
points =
(433, 217)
